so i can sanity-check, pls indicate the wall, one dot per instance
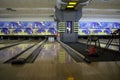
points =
(98, 20)
(28, 19)
(101, 19)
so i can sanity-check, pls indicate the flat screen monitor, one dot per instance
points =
(69, 27)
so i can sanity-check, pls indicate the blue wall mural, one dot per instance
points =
(97, 28)
(50, 28)
(28, 27)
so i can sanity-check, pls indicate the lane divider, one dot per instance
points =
(12, 45)
(24, 56)
(14, 57)
(82, 56)
(8, 41)
(35, 53)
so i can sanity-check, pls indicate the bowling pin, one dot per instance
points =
(52, 39)
(49, 39)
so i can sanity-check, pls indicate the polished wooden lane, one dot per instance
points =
(53, 53)
(54, 63)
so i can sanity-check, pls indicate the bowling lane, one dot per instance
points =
(8, 53)
(112, 47)
(53, 53)
(115, 42)
(10, 42)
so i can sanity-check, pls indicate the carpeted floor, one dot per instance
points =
(105, 54)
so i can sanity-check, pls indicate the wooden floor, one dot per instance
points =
(54, 63)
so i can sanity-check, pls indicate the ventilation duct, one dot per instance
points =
(81, 4)
(84, 3)
(61, 5)
(10, 9)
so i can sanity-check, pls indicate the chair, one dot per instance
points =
(40, 30)
(97, 31)
(51, 30)
(86, 31)
(17, 30)
(108, 31)
(28, 30)
(5, 30)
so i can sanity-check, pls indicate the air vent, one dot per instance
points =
(106, 0)
(10, 9)
(117, 11)
(51, 16)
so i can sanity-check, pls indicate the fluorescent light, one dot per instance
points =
(70, 6)
(72, 3)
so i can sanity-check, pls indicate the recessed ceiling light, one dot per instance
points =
(72, 3)
(70, 6)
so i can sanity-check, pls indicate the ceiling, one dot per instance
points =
(45, 8)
